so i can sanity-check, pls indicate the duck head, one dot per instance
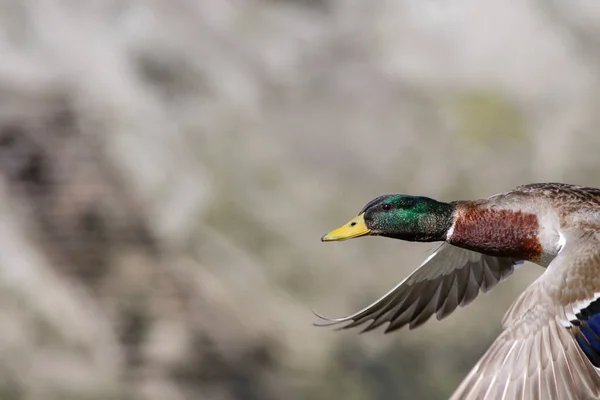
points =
(398, 216)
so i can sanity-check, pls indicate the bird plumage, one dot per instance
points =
(450, 277)
(550, 345)
(541, 354)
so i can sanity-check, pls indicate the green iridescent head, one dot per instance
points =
(412, 218)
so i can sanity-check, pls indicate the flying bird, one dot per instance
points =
(550, 344)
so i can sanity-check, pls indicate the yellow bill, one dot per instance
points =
(355, 228)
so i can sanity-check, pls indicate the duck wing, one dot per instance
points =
(450, 277)
(550, 346)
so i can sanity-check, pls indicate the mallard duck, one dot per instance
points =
(550, 344)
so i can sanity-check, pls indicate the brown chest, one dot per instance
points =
(504, 233)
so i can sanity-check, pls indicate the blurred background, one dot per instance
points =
(167, 168)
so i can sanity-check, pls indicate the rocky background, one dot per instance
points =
(167, 169)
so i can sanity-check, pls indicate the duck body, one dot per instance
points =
(526, 222)
(550, 345)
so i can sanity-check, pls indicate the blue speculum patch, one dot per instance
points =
(588, 337)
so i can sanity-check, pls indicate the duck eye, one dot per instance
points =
(386, 207)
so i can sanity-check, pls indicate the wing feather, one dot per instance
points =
(537, 355)
(449, 278)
